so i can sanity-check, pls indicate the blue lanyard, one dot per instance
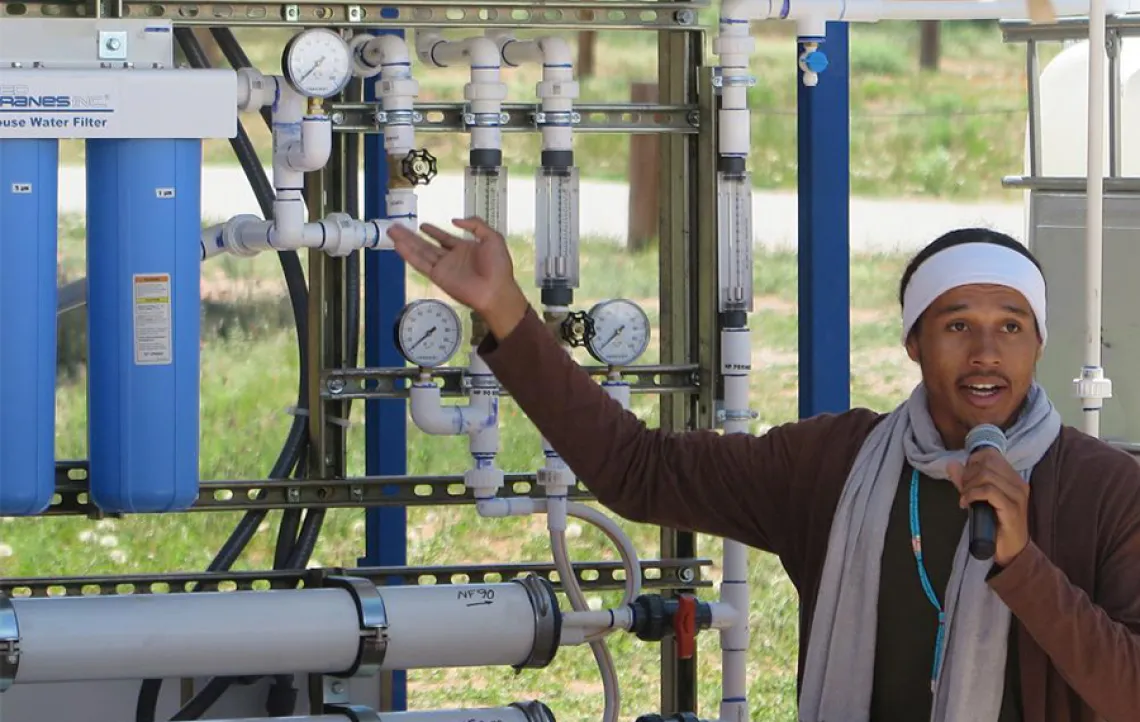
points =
(916, 546)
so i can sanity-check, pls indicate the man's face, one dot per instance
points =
(977, 346)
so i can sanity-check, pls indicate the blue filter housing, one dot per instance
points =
(29, 182)
(143, 300)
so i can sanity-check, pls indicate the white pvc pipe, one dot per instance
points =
(265, 633)
(254, 90)
(388, 56)
(478, 419)
(1091, 400)
(734, 45)
(319, 718)
(485, 93)
(475, 714)
(433, 417)
(458, 625)
(557, 89)
(480, 714)
(618, 389)
(148, 636)
(736, 364)
(618, 618)
(301, 144)
(336, 235)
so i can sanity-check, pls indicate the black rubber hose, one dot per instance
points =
(237, 58)
(291, 551)
(146, 709)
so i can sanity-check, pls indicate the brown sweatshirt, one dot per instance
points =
(1074, 592)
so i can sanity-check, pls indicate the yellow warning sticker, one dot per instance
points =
(154, 342)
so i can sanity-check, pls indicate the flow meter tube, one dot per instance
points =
(556, 227)
(734, 229)
(485, 195)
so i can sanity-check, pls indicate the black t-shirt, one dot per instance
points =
(907, 621)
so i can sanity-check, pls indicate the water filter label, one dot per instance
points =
(153, 328)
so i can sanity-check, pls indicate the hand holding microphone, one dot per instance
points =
(997, 496)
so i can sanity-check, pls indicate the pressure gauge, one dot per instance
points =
(427, 332)
(317, 63)
(621, 332)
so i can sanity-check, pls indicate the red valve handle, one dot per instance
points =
(685, 626)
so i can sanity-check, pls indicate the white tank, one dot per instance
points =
(1064, 112)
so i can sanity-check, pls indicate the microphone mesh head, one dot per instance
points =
(985, 435)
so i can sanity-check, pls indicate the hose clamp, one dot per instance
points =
(395, 117)
(739, 415)
(484, 120)
(557, 117)
(373, 624)
(534, 711)
(354, 712)
(9, 643)
(721, 81)
(547, 621)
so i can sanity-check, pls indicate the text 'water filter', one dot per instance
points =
(143, 265)
(29, 173)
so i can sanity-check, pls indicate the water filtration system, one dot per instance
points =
(29, 174)
(111, 82)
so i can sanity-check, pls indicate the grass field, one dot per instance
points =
(952, 134)
(249, 382)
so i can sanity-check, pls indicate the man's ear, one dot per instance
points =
(912, 348)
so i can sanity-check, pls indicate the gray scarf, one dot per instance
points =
(840, 656)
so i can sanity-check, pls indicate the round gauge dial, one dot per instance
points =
(317, 62)
(621, 332)
(427, 332)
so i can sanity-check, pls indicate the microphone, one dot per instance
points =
(983, 520)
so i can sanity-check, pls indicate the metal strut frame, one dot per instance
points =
(685, 380)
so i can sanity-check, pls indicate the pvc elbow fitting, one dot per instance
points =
(312, 152)
(555, 51)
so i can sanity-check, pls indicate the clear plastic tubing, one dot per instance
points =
(556, 227)
(485, 195)
(734, 231)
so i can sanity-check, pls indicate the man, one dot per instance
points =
(867, 511)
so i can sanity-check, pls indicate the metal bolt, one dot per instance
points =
(335, 386)
(684, 17)
(357, 493)
(337, 118)
(293, 494)
(338, 687)
(355, 13)
(686, 575)
(113, 44)
(694, 118)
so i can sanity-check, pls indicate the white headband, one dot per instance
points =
(970, 263)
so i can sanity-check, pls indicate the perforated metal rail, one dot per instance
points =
(617, 15)
(520, 117)
(595, 576)
(71, 496)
